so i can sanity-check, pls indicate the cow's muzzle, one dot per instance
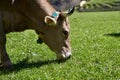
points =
(64, 56)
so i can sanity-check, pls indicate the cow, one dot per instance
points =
(51, 26)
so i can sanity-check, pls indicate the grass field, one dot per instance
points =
(95, 41)
(102, 1)
(102, 5)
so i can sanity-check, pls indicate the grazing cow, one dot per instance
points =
(52, 26)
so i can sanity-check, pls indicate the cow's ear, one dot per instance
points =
(50, 21)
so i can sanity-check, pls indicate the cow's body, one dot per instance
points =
(19, 15)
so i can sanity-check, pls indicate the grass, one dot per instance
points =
(98, 50)
(102, 1)
(102, 5)
(95, 41)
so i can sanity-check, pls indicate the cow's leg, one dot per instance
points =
(4, 59)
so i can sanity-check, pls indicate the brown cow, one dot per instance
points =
(52, 26)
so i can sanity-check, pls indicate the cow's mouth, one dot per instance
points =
(63, 56)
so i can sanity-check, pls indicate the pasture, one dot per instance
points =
(95, 41)
(103, 5)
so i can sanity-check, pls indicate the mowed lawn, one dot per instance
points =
(95, 41)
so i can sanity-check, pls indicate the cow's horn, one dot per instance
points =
(70, 12)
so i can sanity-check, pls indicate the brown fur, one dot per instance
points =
(19, 15)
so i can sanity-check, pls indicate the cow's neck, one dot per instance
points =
(45, 7)
(30, 13)
(36, 10)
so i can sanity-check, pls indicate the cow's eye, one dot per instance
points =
(65, 33)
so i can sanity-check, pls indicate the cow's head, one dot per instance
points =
(57, 34)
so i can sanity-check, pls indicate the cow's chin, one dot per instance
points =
(63, 56)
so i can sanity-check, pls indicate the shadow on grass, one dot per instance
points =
(25, 64)
(113, 34)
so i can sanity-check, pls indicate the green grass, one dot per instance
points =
(95, 41)
(102, 5)
(102, 1)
